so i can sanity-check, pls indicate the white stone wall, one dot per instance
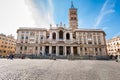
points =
(81, 40)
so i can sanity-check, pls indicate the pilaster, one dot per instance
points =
(43, 50)
(57, 50)
(78, 50)
(71, 50)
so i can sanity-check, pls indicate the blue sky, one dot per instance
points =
(92, 14)
(97, 14)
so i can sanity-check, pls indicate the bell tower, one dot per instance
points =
(73, 19)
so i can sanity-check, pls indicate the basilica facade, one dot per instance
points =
(60, 40)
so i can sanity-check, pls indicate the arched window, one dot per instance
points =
(68, 36)
(54, 35)
(60, 34)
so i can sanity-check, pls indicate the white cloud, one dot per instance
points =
(107, 8)
(24, 13)
(14, 14)
(42, 14)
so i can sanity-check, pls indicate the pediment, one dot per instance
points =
(61, 28)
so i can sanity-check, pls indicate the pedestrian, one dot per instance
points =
(11, 56)
(40, 53)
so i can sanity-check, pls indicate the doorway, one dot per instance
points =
(60, 50)
(53, 49)
(75, 50)
(68, 50)
(46, 50)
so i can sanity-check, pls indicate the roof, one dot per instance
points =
(31, 29)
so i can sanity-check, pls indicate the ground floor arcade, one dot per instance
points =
(62, 50)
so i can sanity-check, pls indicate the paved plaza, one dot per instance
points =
(44, 69)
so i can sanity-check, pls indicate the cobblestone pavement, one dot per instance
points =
(34, 69)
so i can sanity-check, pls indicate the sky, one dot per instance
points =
(92, 14)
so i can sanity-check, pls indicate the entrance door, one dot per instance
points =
(53, 49)
(46, 50)
(60, 50)
(75, 50)
(68, 50)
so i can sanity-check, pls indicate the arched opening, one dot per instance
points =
(54, 35)
(60, 34)
(68, 36)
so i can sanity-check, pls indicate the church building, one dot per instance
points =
(60, 40)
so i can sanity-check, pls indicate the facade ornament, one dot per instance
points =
(57, 25)
(50, 26)
(60, 24)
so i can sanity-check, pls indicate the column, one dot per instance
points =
(83, 50)
(98, 50)
(92, 38)
(71, 36)
(57, 50)
(78, 38)
(43, 50)
(38, 50)
(19, 36)
(103, 51)
(35, 38)
(28, 37)
(57, 36)
(50, 36)
(33, 49)
(18, 49)
(78, 50)
(65, 50)
(39, 38)
(102, 39)
(97, 39)
(71, 50)
(24, 37)
(82, 39)
(94, 50)
(44, 37)
(86, 38)
(50, 49)
(64, 36)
